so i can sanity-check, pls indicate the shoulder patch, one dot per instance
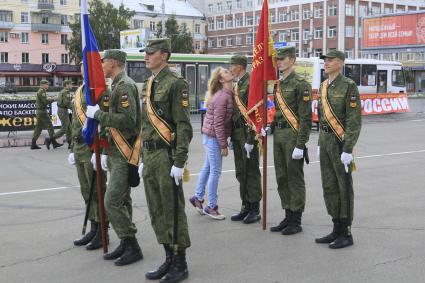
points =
(353, 101)
(124, 100)
(306, 95)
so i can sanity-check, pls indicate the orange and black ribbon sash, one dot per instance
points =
(78, 105)
(160, 126)
(287, 112)
(131, 154)
(241, 106)
(329, 114)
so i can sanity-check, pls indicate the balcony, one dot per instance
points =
(45, 5)
(45, 27)
(6, 25)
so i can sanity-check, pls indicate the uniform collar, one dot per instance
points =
(164, 71)
(290, 76)
(243, 78)
(336, 80)
(118, 78)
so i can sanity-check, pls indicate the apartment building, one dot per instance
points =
(149, 12)
(313, 26)
(33, 34)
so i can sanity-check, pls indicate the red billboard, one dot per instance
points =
(394, 30)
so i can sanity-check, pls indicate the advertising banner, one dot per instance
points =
(394, 30)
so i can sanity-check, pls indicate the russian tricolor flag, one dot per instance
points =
(94, 78)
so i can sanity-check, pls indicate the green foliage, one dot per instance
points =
(106, 22)
(181, 38)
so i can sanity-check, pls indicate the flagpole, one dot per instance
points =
(264, 120)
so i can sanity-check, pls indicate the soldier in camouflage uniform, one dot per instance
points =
(43, 118)
(169, 98)
(336, 150)
(245, 149)
(289, 141)
(123, 115)
(80, 155)
(64, 104)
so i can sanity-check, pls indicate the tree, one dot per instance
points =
(106, 22)
(181, 39)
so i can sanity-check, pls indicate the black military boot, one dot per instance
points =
(132, 252)
(96, 242)
(254, 213)
(282, 225)
(55, 143)
(344, 238)
(294, 224)
(332, 236)
(178, 269)
(242, 214)
(47, 142)
(34, 144)
(164, 268)
(89, 236)
(115, 253)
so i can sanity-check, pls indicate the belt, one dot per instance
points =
(326, 129)
(154, 145)
(239, 124)
(281, 125)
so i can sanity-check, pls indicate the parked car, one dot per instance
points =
(8, 87)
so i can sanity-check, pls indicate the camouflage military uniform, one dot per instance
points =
(289, 172)
(344, 99)
(64, 103)
(42, 116)
(169, 98)
(247, 169)
(124, 115)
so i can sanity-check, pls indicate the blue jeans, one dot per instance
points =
(211, 171)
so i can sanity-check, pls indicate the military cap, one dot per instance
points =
(239, 60)
(154, 45)
(65, 82)
(44, 82)
(285, 52)
(115, 54)
(334, 54)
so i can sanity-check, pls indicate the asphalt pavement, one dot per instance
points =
(41, 213)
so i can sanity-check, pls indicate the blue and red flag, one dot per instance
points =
(94, 78)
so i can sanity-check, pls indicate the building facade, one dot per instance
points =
(33, 34)
(150, 12)
(313, 26)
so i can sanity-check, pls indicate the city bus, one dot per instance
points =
(371, 76)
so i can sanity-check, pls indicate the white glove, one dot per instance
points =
(91, 110)
(140, 170)
(318, 152)
(297, 153)
(346, 159)
(71, 159)
(248, 148)
(103, 161)
(177, 174)
(266, 132)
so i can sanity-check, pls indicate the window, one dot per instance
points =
(249, 20)
(5, 16)
(137, 24)
(281, 16)
(249, 3)
(282, 36)
(4, 36)
(210, 8)
(239, 21)
(64, 58)
(238, 40)
(306, 34)
(210, 24)
(4, 57)
(349, 53)
(220, 42)
(24, 17)
(64, 39)
(318, 12)
(257, 19)
(197, 45)
(272, 17)
(25, 58)
(349, 9)
(317, 52)
(295, 35)
(64, 20)
(388, 10)
(318, 33)
(45, 58)
(44, 19)
(45, 38)
(376, 10)
(331, 10)
(362, 11)
(349, 31)
(239, 4)
(249, 39)
(229, 41)
(220, 24)
(24, 37)
(219, 7)
(397, 78)
(229, 23)
(306, 14)
(63, 2)
(229, 5)
(197, 28)
(295, 15)
(368, 75)
(331, 32)
(152, 26)
(210, 43)
(352, 71)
